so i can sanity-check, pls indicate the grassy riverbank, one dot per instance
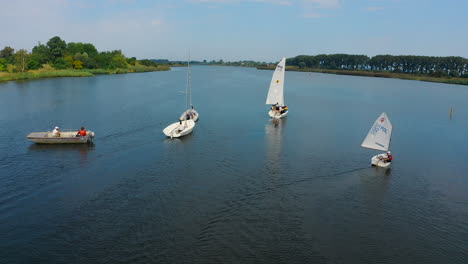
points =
(52, 73)
(405, 76)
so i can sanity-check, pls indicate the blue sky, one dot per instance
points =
(263, 30)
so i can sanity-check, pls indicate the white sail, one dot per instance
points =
(275, 94)
(379, 135)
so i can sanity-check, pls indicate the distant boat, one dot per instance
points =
(67, 136)
(187, 120)
(276, 94)
(379, 138)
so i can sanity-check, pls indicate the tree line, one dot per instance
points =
(433, 66)
(61, 55)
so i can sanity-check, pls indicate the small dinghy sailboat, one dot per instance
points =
(187, 120)
(275, 93)
(379, 138)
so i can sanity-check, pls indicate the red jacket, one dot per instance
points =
(82, 132)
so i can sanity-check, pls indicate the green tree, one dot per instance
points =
(57, 47)
(104, 60)
(131, 60)
(90, 49)
(33, 63)
(21, 59)
(60, 64)
(7, 53)
(77, 64)
(119, 61)
(69, 60)
(83, 57)
(3, 64)
(148, 63)
(41, 53)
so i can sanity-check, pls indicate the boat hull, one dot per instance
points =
(376, 161)
(173, 132)
(68, 137)
(274, 114)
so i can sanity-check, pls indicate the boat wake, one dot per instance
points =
(132, 131)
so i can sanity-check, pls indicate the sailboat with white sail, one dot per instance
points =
(379, 138)
(276, 92)
(187, 120)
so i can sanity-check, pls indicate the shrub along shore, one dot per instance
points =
(52, 73)
(382, 74)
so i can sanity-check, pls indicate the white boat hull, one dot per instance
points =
(172, 130)
(192, 113)
(274, 114)
(67, 137)
(376, 161)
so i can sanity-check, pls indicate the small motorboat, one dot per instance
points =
(67, 136)
(172, 130)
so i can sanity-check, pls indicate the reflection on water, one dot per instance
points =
(58, 150)
(273, 134)
(375, 182)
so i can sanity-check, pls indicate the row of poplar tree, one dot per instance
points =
(434, 66)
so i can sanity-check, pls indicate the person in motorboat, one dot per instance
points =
(389, 157)
(181, 126)
(56, 132)
(81, 133)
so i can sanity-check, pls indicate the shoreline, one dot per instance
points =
(41, 74)
(379, 74)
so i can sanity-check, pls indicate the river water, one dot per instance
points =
(239, 189)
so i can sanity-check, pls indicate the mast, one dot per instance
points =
(188, 103)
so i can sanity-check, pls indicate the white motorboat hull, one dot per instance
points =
(274, 114)
(66, 137)
(193, 115)
(376, 161)
(172, 130)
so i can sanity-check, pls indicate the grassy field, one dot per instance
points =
(405, 76)
(51, 73)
